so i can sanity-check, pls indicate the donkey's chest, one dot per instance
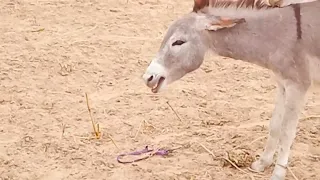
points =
(315, 69)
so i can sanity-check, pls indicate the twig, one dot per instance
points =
(294, 176)
(309, 117)
(38, 30)
(210, 152)
(142, 121)
(262, 137)
(96, 132)
(254, 171)
(91, 29)
(113, 141)
(174, 111)
(148, 124)
(63, 130)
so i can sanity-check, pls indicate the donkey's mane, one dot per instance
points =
(246, 9)
(232, 4)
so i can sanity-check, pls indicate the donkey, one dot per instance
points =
(284, 40)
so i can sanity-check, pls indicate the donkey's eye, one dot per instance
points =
(178, 43)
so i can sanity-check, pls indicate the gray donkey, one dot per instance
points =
(284, 40)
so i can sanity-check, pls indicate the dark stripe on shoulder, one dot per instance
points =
(297, 14)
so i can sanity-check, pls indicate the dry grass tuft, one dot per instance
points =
(96, 126)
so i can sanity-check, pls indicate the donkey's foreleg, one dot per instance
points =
(266, 158)
(294, 100)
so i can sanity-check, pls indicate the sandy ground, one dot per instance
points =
(54, 51)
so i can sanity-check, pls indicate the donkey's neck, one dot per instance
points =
(260, 41)
(240, 50)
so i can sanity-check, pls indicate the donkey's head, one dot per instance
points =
(183, 48)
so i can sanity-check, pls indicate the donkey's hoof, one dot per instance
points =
(258, 166)
(277, 177)
(279, 173)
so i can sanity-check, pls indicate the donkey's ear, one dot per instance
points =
(224, 23)
(201, 2)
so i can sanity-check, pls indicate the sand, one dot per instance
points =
(52, 52)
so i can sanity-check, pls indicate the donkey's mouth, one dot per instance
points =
(157, 87)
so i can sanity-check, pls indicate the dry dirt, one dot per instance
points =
(54, 51)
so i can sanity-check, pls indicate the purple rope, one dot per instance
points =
(161, 152)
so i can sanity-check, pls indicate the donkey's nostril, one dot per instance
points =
(150, 78)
